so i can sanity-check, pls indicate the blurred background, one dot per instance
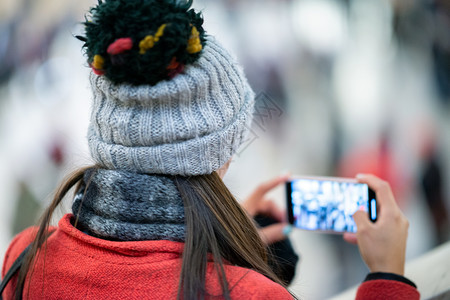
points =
(344, 87)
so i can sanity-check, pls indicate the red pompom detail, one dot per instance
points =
(120, 45)
(176, 71)
(173, 64)
(174, 68)
(98, 72)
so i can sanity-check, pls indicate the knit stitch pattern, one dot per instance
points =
(125, 206)
(190, 125)
(386, 289)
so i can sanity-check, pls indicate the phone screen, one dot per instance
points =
(327, 204)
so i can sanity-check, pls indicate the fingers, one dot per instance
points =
(380, 187)
(362, 223)
(362, 220)
(265, 187)
(382, 244)
(253, 203)
(274, 233)
(270, 209)
(350, 238)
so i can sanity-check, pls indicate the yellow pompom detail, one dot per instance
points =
(149, 41)
(98, 62)
(159, 33)
(194, 44)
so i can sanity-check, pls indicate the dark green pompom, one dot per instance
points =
(130, 22)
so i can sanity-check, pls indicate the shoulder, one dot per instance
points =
(17, 245)
(248, 284)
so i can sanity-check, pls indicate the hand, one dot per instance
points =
(257, 203)
(382, 244)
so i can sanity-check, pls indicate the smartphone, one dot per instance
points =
(328, 203)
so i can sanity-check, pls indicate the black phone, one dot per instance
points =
(327, 204)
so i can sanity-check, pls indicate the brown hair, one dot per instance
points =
(215, 223)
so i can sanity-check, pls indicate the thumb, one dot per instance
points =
(274, 233)
(361, 219)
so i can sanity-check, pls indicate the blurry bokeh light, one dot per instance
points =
(320, 25)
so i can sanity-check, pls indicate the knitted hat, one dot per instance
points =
(178, 105)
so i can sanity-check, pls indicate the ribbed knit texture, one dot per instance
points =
(125, 206)
(189, 125)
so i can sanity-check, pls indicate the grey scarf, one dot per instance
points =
(125, 206)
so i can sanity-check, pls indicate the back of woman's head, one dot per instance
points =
(169, 100)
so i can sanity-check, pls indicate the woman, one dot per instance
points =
(153, 219)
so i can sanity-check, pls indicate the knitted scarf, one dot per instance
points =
(125, 206)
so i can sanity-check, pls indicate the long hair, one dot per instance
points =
(215, 224)
(43, 232)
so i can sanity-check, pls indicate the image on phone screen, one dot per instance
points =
(328, 205)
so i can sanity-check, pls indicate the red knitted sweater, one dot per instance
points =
(78, 266)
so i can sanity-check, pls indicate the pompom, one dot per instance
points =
(175, 68)
(97, 65)
(98, 72)
(98, 62)
(120, 46)
(138, 39)
(194, 44)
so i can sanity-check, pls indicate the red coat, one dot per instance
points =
(78, 266)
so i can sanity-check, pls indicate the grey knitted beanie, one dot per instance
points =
(191, 124)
